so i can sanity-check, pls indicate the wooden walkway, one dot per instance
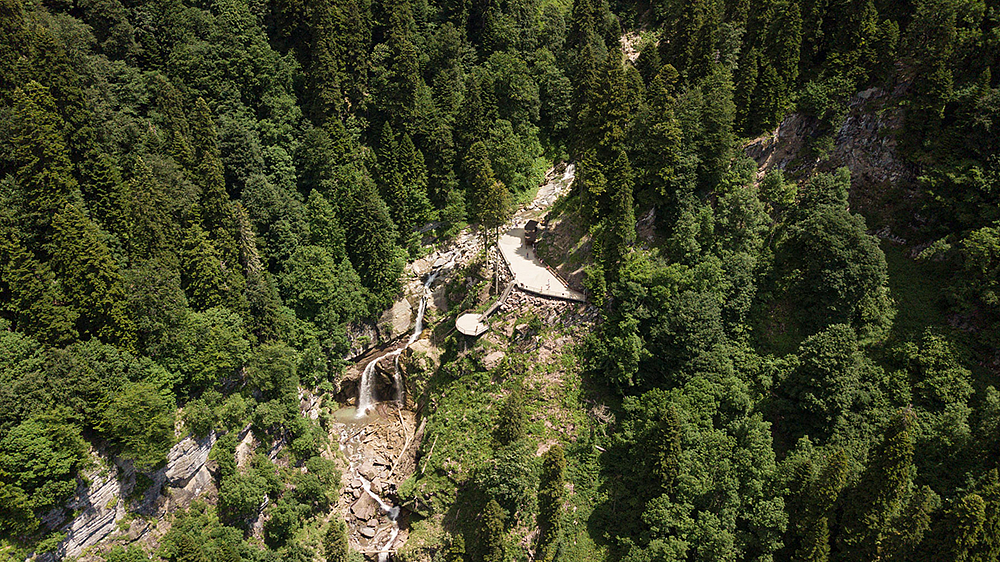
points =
(474, 324)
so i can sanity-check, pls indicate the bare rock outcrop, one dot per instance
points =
(109, 496)
(187, 458)
(865, 142)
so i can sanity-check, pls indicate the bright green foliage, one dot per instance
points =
(832, 270)
(812, 497)
(825, 384)
(121, 554)
(272, 372)
(213, 344)
(140, 422)
(18, 518)
(187, 550)
(41, 457)
(199, 196)
(776, 190)
(240, 496)
(285, 518)
(319, 289)
(590, 184)
(198, 417)
(325, 229)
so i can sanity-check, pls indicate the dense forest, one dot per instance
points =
(200, 198)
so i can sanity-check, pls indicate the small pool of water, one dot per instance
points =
(349, 415)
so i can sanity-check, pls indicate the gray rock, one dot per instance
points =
(367, 532)
(397, 318)
(186, 458)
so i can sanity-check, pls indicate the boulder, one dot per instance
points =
(397, 318)
(365, 508)
(493, 359)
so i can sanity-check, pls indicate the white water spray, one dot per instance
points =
(366, 388)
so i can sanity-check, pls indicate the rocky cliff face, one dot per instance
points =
(108, 493)
(865, 142)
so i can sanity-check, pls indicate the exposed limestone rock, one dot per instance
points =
(187, 458)
(397, 318)
(102, 504)
(99, 505)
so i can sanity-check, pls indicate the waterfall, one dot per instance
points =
(366, 388)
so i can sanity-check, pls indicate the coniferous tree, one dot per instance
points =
(104, 191)
(619, 230)
(880, 490)
(325, 229)
(413, 172)
(40, 160)
(89, 277)
(188, 550)
(745, 90)
(325, 65)
(903, 541)
(34, 299)
(207, 167)
(551, 492)
(717, 118)
(390, 180)
(202, 276)
(370, 237)
(142, 221)
(456, 549)
(819, 500)
(666, 462)
(958, 532)
(491, 533)
(590, 185)
(659, 166)
(586, 120)
(14, 40)
(511, 419)
(489, 197)
(335, 542)
(614, 106)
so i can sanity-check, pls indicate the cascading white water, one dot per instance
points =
(366, 387)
